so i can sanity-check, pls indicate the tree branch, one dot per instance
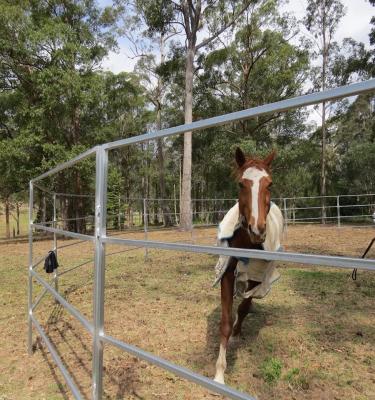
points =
(225, 27)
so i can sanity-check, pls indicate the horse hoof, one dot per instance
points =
(219, 379)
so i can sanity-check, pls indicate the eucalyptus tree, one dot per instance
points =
(322, 20)
(149, 32)
(194, 17)
(259, 65)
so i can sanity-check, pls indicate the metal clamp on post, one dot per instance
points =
(97, 221)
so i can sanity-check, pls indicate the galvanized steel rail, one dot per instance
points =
(100, 240)
(176, 369)
(68, 379)
(311, 259)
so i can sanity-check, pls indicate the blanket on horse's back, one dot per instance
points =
(262, 271)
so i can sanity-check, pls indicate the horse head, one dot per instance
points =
(254, 179)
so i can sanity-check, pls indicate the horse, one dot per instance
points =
(254, 223)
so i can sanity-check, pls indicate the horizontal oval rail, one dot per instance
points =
(312, 259)
(176, 369)
(74, 235)
(86, 324)
(68, 379)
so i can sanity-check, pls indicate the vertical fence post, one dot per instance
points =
(30, 280)
(338, 211)
(55, 274)
(285, 216)
(99, 273)
(145, 225)
(192, 222)
(175, 204)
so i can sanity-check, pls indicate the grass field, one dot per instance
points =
(312, 337)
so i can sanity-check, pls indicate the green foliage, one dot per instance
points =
(158, 14)
(232, 73)
(270, 370)
(55, 102)
(323, 12)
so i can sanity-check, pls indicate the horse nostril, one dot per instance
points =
(262, 234)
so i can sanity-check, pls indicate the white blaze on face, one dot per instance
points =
(255, 175)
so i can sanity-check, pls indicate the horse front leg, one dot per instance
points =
(243, 310)
(226, 324)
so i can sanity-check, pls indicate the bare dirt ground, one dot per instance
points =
(312, 337)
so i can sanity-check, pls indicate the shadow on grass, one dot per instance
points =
(337, 309)
(121, 375)
(52, 367)
(251, 327)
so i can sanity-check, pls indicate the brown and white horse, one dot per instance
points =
(259, 226)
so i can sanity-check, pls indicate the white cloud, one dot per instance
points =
(119, 61)
(355, 24)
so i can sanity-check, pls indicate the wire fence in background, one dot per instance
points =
(153, 214)
(356, 209)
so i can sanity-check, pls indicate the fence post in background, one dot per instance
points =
(294, 211)
(30, 280)
(55, 273)
(285, 217)
(99, 272)
(175, 204)
(145, 225)
(338, 211)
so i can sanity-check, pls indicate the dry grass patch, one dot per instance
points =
(312, 338)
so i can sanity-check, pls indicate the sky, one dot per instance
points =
(355, 24)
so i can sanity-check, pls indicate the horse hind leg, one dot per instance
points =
(226, 324)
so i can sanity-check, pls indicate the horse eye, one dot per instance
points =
(241, 185)
(269, 186)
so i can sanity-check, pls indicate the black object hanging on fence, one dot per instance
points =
(50, 263)
(354, 273)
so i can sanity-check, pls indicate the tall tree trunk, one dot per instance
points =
(185, 203)
(79, 211)
(167, 216)
(7, 214)
(145, 187)
(323, 156)
(323, 166)
(18, 217)
(44, 209)
(64, 212)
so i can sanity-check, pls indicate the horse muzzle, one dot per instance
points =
(257, 238)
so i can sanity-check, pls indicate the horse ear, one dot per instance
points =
(268, 160)
(240, 157)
